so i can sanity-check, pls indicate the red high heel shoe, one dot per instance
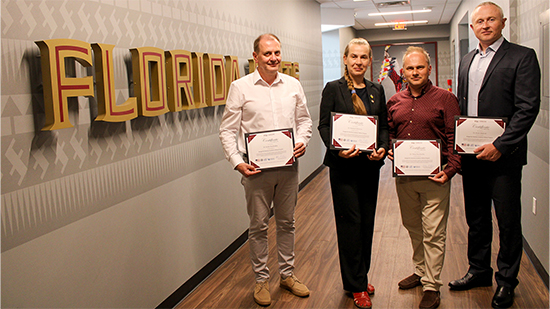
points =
(362, 300)
(370, 289)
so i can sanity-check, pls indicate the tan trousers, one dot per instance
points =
(280, 187)
(424, 210)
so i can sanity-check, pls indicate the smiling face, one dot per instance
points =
(268, 56)
(487, 23)
(416, 70)
(357, 60)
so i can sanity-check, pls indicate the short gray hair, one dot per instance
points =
(416, 49)
(260, 37)
(493, 4)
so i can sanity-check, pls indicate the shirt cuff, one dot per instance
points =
(450, 171)
(299, 140)
(236, 159)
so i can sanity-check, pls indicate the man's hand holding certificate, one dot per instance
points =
(416, 157)
(270, 149)
(473, 132)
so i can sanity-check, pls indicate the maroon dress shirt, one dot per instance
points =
(428, 116)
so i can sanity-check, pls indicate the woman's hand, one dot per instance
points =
(390, 154)
(377, 155)
(350, 153)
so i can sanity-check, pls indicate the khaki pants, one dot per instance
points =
(280, 187)
(424, 210)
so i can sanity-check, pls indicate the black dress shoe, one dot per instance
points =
(504, 297)
(470, 281)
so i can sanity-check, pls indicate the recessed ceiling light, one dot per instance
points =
(402, 22)
(325, 28)
(386, 3)
(401, 12)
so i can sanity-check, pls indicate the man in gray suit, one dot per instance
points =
(497, 79)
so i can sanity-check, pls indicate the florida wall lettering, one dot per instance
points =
(164, 81)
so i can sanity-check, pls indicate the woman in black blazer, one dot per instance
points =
(354, 174)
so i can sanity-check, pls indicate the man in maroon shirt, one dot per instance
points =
(423, 112)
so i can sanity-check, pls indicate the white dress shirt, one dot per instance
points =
(478, 68)
(253, 105)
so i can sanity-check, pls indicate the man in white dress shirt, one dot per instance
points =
(260, 101)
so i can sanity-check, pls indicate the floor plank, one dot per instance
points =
(317, 265)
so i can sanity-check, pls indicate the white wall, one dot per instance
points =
(334, 45)
(536, 182)
(523, 28)
(122, 214)
(332, 57)
(346, 34)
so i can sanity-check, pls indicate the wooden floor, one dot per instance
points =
(231, 285)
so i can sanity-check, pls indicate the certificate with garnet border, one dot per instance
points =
(473, 132)
(347, 130)
(270, 149)
(416, 157)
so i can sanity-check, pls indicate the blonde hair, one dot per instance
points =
(358, 104)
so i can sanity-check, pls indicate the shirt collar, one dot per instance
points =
(425, 89)
(494, 47)
(257, 78)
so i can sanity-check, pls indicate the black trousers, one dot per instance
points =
(354, 195)
(487, 183)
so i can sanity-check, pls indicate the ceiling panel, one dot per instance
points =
(442, 11)
(359, 5)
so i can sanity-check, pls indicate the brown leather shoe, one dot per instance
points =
(261, 293)
(430, 300)
(295, 286)
(410, 282)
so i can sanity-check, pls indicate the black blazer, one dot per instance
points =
(511, 89)
(337, 98)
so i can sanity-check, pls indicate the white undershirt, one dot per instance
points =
(477, 71)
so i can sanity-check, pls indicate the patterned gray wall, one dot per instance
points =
(53, 179)
(50, 179)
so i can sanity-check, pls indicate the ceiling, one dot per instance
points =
(442, 11)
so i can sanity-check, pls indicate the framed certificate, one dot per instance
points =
(270, 149)
(472, 132)
(350, 129)
(416, 157)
